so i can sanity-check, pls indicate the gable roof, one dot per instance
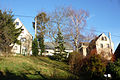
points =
(96, 38)
(17, 19)
(49, 45)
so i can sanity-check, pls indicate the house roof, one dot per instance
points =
(22, 25)
(84, 43)
(81, 44)
(96, 38)
(92, 41)
(50, 45)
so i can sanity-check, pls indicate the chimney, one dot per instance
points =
(109, 35)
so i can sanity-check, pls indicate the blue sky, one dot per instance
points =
(104, 14)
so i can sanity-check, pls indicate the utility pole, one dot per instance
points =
(20, 44)
(36, 27)
(109, 34)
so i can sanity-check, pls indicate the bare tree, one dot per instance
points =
(57, 21)
(72, 24)
(28, 44)
(77, 22)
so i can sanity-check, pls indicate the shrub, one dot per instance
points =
(94, 66)
(113, 68)
(59, 57)
(75, 59)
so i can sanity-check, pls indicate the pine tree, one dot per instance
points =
(35, 47)
(41, 43)
(60, 40)
(60, 54)
(8, 31)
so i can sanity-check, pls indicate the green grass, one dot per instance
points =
(33, 68)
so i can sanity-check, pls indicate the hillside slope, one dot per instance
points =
(33, 68)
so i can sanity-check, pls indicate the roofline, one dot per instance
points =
(24, 26)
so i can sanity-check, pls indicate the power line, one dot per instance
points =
(96, 31)
(103, 32)
(25, 16)
(115, 35)
(55, 21)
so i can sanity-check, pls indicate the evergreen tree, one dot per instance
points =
(42, 20)
(41, 43)
(35, 47)
(8, 31)
(60, 40)
(60, 54)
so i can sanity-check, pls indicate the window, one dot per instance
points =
(101, 45)
(17, 23)
(22, 30)
(23, 39)
(102, 38)
(15, 48)
(105, 39)
(108, 46)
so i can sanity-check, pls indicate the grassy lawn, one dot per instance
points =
(33, 68)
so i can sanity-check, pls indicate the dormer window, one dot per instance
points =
(105, 39)
(17, 23)
(102, 38)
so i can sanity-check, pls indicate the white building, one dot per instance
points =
(50, 48)
(25, 38)
(83, 48)
(101, 45)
